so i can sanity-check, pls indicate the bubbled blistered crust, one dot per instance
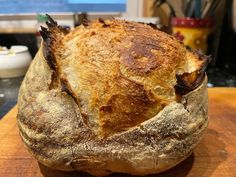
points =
(102, 98)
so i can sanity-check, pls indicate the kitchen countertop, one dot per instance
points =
(214, 156)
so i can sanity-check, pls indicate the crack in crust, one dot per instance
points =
(187, 82)
(51, 49)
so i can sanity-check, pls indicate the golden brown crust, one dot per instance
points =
(103, 97)
(134, 108)
(123, 63)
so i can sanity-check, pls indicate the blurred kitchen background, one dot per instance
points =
(207, 25)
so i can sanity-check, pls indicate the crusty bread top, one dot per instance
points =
(119, 73)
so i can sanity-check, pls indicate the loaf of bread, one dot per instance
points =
(112, 96)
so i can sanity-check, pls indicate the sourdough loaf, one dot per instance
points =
(112, 96)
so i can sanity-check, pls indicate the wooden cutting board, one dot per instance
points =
(215, 156)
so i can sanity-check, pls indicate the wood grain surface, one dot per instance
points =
(215, 156)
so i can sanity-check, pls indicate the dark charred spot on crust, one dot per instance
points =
(51, 23)
(183, 87)
(149, 24)
(49, 36)
(101, 20)
(47, 50)
(190, 81)
(152, 25)
(44, 33)
(49, 56)
(85, 22)
(139, 56)
(51, 40)
(166, 29)
(105, 25)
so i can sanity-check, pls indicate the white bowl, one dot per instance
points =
(14, 62)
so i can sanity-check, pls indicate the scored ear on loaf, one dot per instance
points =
(110, 95)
